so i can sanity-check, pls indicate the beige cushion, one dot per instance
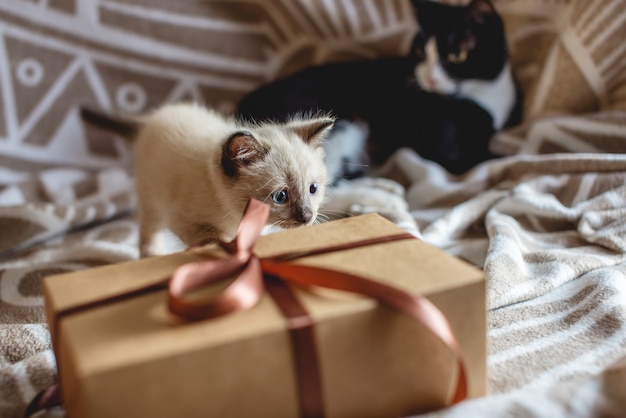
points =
(575, 60)
(570, 59)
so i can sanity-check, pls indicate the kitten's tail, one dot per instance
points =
(125, 127)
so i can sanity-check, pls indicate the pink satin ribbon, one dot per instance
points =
(248, 286)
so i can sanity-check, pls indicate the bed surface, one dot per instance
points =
(547, 223)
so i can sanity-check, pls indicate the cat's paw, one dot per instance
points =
(370, 195)
(380, 183)
(399, 216)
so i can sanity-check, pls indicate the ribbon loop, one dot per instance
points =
(256, 215)
(244, 292)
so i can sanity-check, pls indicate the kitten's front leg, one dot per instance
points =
(164, 241)
(160, 243)
(150, 243)
(192, 232)
(153, 237)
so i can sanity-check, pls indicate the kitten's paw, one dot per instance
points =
(162, 243)
(271, 229)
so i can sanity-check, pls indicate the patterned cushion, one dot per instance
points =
(570, 56)
(570, 59)
(130, 56)
(133, 55)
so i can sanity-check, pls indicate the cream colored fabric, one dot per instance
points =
(549, 232)
(547, 228)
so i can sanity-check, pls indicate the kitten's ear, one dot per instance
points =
(312, 131)
(240, 149)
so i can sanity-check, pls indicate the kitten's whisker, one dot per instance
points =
(266, 184)
(356, 165)
(277, 223)
(266, 198)
(329, 213)
(227, 215)
(321, 216)
(325, 211)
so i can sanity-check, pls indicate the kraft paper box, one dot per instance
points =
(129, 357)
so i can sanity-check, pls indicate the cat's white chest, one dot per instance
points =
(496, 96)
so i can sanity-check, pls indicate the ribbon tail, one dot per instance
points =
(304, 347)
(48, 398)
(417, 307)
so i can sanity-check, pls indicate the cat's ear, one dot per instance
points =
(240, 149)
(312, 131)
(480, 11)
(428, 14)
(422, 4)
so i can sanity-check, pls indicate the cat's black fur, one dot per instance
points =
(450, 129)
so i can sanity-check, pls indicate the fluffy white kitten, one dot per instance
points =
(196, 169)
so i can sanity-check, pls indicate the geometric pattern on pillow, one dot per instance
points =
(570, 56)
(570, 59)
(131, 56)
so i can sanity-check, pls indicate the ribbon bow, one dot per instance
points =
(248, 286)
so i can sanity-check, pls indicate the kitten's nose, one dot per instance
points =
(303, 216)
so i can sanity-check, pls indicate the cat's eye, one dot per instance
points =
(313, 188)
(280, 196)
(458, 57)
(419, 53)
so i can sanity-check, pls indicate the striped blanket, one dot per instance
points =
(550, 233)
(547, 222)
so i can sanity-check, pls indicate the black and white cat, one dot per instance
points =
(444, 99)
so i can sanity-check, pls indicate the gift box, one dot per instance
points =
(122, 352)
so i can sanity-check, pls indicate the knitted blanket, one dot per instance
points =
(545, 222)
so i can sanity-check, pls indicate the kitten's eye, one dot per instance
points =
(280, 196)
(458, 57)
(313, 188)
